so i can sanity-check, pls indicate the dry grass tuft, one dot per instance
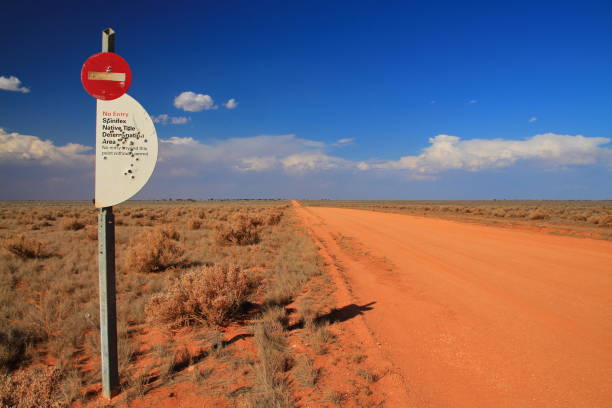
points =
(32, 389)
(606, 221)
(274, 217)
(210, 295)
(537, 214)
(195, 224)
(305, 372)
(155, 250)
(14, 342)
(320, 336)
(92, 233)
(271, 389)
(239, 231)
(72, 224)
(25, 248)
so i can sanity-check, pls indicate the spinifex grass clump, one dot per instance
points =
(239, 230)
(36, 388)
(271, 389)
(273, 217)
(155, 250)
(72, 224)
(210, 295)
(25, 248)
(14, 342)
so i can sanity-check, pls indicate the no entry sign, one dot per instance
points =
(106, 76)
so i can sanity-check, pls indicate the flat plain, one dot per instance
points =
(312, 304)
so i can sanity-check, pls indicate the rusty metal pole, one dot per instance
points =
(106, 268)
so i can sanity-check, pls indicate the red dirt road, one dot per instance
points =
(478, 316)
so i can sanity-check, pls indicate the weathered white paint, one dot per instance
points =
(106, 76)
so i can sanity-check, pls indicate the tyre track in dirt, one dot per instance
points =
(477, 316)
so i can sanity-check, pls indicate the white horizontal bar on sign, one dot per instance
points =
(106, 76)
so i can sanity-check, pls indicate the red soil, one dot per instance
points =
(477, 316)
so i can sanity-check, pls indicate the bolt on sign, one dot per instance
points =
(126, 141)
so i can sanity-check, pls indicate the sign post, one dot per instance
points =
(106, 265)
(126, 153)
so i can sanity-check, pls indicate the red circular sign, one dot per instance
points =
(106, 76)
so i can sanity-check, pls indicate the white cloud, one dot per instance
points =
(16, 148)
(251, 154)
(343, 142)
(12, 83)
(245, 154)
(256, 163)
(472, 101)
(532, 119)
(451, 153)
(180, 120)
(363, 166)
(193, 102)
(164, 119)
(231, 104)
(307, 161)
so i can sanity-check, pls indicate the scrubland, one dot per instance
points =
(584, 218)
(218, 304)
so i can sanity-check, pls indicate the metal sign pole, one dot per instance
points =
(106, 264)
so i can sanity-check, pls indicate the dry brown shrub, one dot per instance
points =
(606, 220)
(238, 231)
(155, 250)
(24, 248)
(91, 232)
(210, 295)
(499, 212)
(14, 342)
(47, 217)
(72, 224)
(274, 218)
(195, 224)
(594, 219)
(31, 389)
(250, 220)
(537, 214)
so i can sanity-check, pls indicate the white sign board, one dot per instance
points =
(126, 150)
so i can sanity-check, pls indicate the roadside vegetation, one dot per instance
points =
(212, 300)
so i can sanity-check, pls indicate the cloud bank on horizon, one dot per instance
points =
(288, 156)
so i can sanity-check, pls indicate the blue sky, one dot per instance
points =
(333, 99)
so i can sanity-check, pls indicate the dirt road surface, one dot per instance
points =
(477, 316)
